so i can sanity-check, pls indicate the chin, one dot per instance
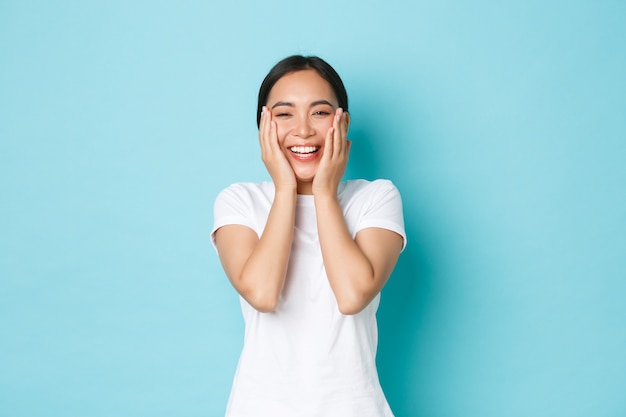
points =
(305, 176)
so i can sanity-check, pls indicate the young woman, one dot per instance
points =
(308, 255)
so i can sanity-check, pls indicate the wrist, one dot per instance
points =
(325, 192)
(285, 191)
(326, 196)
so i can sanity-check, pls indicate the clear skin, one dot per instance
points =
(302, 112)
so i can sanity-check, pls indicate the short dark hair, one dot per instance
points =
(296, 63)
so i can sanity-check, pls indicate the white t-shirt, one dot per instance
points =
(307, 359)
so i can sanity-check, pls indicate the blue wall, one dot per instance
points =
(502, 123)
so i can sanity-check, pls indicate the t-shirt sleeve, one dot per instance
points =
(233, 205)
(384, 210)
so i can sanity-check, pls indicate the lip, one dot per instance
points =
(304, 157)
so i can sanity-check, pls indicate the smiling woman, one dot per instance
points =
(308, 255)
(304, 109)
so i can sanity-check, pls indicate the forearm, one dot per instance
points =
(263, 275)
(350, 273)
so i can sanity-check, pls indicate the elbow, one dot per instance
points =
(263, 298)
(263, 303)
(352, 299)
(267, 307)
(350, 310)
(349, 306)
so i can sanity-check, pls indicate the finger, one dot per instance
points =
(268, 134)
(344, 125)
(339, 133)
(262, 119)
(273, 136)
(328, 144)
(344, 133)
(263, 128)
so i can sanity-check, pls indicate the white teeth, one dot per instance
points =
(303, 149)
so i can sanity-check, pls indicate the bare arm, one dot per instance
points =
(255, 266)
(357, 268)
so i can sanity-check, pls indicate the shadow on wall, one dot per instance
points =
(404, 308)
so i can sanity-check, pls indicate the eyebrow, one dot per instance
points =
(315, 103)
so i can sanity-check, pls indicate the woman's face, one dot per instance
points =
(303, 106)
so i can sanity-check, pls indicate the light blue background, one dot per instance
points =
(502, 123)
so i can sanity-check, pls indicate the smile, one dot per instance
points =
(304, 150)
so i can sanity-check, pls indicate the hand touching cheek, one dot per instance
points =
(335, 157)
(272, 154)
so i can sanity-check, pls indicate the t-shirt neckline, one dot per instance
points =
(305, 200)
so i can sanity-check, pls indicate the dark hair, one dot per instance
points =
(299, 63)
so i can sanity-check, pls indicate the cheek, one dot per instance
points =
(281, 132)
(323, 125)
(283, 126)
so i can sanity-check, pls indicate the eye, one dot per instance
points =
(282, 115)
(321, 113)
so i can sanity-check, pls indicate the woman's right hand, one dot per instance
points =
(273, 157)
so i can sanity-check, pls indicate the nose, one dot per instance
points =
(304, 128)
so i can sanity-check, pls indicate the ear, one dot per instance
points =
(347, 115)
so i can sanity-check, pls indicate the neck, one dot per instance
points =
(305, 188)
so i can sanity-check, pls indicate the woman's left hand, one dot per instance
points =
(335, 157)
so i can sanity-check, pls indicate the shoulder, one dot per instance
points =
(265, 187)
(362, 199)
(247, 191)
(366, 188)
(243, 203)
(373, 204)
(244, 199)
